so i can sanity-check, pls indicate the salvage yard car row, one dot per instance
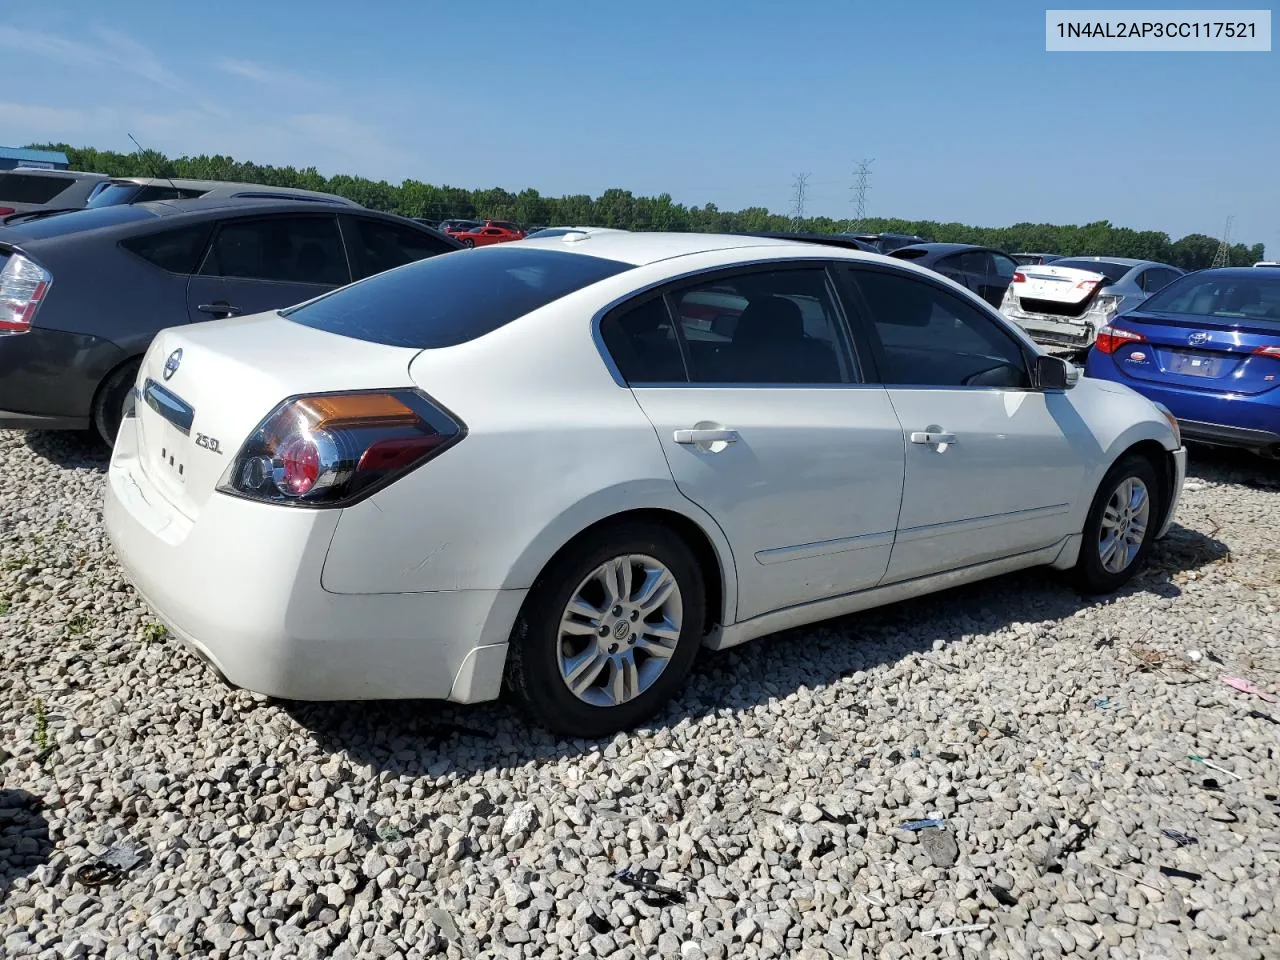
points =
(792, 431)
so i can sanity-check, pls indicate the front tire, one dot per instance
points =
(608, 632)
(108, 405)
(468, 242)
(1121, 525)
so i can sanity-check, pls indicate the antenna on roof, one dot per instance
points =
(154, 172)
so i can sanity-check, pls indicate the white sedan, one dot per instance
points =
(563, 465)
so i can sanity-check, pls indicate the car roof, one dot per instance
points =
(224, 186)
(1240, 273)
(644, 248)
(196, 209)
(943, 247)
(59, 174)
(1120, 261)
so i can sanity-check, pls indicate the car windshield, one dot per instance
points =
(450, 299)
(1112, 271)
(114, 194)
(77, 220)
(1255, 297)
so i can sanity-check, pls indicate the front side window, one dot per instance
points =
(765, 327)
(1003, 266)
(388, 245)
(931, 337)
(280, 249)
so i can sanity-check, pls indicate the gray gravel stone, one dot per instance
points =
(1071, 720)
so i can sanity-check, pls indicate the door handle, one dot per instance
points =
(706, 436)
(219, 307)
(924, 436)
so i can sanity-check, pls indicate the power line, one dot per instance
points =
(800, 186)
(861, 184)
(1223, 257)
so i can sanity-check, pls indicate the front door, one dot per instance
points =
(767, 425)
(993, 467)
(267, 263)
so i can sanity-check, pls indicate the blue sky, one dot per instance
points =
(966, 115)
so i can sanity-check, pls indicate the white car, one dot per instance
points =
(565, 464)
(1063, 304)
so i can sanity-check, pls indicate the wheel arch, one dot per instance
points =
(1161, 459)
(697, 529)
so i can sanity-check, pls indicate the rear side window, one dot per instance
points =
(177, 251)
(281, 249)
(25, 188)
(384, 246)
(444, 301)
(642, 342)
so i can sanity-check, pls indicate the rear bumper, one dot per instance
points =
(1224, 435)
(1054, 331)
(48, 378)
(241, 585)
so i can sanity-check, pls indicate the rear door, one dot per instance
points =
(267, 263)
(768, 424)
(993, 467)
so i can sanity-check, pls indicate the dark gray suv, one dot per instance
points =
(82, 294)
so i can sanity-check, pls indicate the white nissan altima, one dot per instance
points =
(563, 465)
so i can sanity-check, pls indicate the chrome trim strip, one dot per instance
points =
(824, 548)
(911, 534)
(169, 405)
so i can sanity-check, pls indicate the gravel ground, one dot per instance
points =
(1050, 733)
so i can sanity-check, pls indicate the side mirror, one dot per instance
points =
(1054, 373)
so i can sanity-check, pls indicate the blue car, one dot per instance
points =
(1207, 346)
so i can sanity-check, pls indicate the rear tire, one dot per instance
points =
(108, 405)
(1121, 525)
(626, 648)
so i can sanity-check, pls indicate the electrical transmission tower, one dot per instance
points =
(861, 184)
(1223, 257)
(800, 185)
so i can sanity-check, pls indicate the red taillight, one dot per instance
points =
(1111, 339)
(23, 285)
(335, 448)
(1272, 351)
(1019, 277)
(299, 465)
(5, 211)
(1087, 284)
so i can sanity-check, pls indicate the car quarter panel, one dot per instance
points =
(553, 445)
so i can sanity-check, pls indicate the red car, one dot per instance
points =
(491, 231)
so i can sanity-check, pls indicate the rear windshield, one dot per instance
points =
(26, 188)
(1255, 297)
(450, 299)
(77, 220)
(1112, 271)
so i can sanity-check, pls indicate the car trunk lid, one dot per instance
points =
(1059, 291)
(204, 388)
(1213, 354)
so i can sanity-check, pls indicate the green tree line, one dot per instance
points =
(621, 208)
